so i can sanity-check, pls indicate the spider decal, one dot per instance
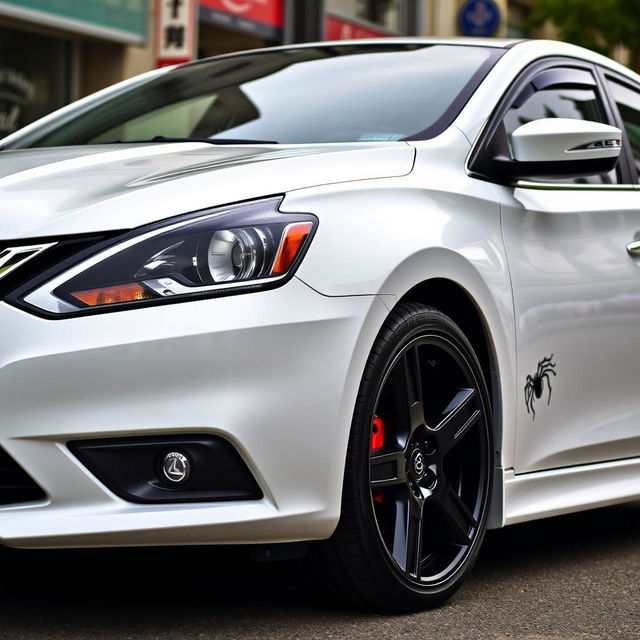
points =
(535, 384)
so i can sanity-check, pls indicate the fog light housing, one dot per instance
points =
(179, 468)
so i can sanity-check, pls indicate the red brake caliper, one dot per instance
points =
(377, 442)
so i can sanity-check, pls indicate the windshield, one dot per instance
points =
(345, 93)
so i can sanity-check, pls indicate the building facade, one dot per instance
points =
(232, 25)
(54, 51)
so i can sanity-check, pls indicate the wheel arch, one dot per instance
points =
(455, 301)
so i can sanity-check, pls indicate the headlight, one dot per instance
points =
(223, 251)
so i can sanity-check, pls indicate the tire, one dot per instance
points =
(415, 497)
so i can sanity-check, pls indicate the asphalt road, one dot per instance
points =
(570, 578)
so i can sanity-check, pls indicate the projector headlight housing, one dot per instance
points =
(222, 251)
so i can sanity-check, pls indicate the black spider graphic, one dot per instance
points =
(535, 384)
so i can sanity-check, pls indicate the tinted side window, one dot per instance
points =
(628, 102)
(560, 102)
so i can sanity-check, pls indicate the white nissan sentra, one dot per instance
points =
(371, 297)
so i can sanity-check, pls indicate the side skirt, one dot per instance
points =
(543, 494)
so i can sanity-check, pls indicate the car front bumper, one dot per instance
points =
(275, 373)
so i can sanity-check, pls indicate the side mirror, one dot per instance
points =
(560, 148)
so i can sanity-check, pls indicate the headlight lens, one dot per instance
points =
(222, 251)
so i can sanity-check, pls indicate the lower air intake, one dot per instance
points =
(15, 484)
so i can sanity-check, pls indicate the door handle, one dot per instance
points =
(634, 248)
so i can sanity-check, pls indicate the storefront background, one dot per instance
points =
(34, 77)
(389, 15)
(128, 17)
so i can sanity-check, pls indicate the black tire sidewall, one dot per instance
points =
(403, 326)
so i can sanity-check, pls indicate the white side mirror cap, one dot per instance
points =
(557, 139)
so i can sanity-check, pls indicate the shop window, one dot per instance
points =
(34, 77)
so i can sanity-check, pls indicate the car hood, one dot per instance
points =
(58, 191)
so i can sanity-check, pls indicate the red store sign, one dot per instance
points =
(265, 18)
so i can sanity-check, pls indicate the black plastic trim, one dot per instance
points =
(508, 170)
(16, 485)
(553, 78)
(132, 468)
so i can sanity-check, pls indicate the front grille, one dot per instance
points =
(15, 484)
(12, 257)
(20, 263)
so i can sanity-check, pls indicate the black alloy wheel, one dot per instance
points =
(419, 468)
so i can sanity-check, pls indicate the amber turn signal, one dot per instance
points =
(292, 240)
(112, 295)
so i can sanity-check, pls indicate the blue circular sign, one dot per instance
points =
(479, 18)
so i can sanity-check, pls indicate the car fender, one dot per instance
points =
(384, 237)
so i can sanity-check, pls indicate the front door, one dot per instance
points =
(577, 302)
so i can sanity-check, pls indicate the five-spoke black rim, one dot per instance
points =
(428, 460)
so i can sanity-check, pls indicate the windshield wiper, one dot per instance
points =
(208, 140)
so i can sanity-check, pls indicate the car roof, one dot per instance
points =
(498, 43)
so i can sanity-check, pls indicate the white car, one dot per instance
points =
(380, 295)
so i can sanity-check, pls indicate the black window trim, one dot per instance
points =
(606, 76)
(480, 155)
(454, 109)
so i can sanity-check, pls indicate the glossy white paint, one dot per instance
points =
(565, 139)
(274, 381)
(577, 296)
(547, 269)
(434, 223)
(531, 496)
(68, 190)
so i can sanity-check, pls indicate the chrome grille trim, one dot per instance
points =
(13, 257)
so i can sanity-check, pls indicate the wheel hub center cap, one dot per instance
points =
(417, 465)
